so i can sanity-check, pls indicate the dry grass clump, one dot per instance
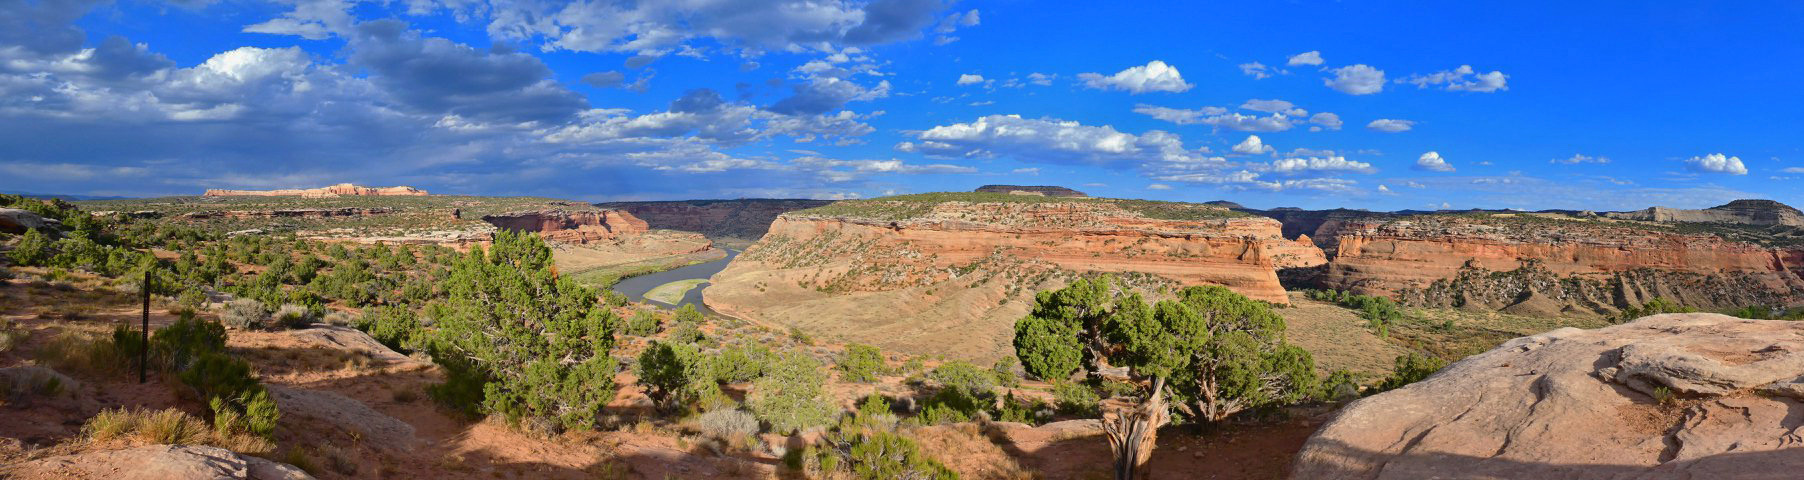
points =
(85, 353)
(167, 427)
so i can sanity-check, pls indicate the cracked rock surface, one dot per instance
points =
(1576, 403)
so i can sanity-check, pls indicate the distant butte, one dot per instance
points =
(1041, 190)
(339, 190)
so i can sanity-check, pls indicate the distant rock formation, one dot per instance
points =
(746, 218)
(904, 273)
(1041, 190)
(339, 190)
(13, 220)
(571, 226)
(1749, 212)
(1668, 396)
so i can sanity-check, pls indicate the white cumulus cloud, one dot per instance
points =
(1155, 76)
(1576, 159)
(1312, 57)
(1356, 80)
(1324, 121)
(1252, 146)
(1388, 125)
(1433, 162)
(1463, 78)
(969, 79)
(1718, 163)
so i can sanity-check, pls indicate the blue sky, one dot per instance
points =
(1378, 105)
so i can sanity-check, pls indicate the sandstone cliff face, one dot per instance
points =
(953, 277)
(1583, 404)
(339, 190)
(288, 213)
(748, 219)
(1455, 260)
(1040, 190)
(569, 226)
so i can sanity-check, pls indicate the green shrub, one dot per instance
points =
(244, 314)
(790, 396)
(861, 363)
(395, 327)
(33, 249)
(1656, 306)
(1411, 368)
(740, 363)
(728, 423)
(1340, 385)
(292, 317)
(880, 455)
(671, 373)
(1074, 398)
(644, 324)
(181, 344)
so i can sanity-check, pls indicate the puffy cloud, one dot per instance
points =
(1311, 57)
(310, 19)
(1388, 125)
(970, 79)
(1433, 162)
(1155, 76)
(1356, 80)
(1580, 158)
(1049, 140)
(825, 94)
(1324, 121)
(1040, 79)
(1385, 190)
(1717, 163)
(1252, 146)
(1331, 163)
(1461, 79)
(1273, 106)
(1219, 117)
(658, 28)
(1256, 70)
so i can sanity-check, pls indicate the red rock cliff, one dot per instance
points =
(569, 226)
(748, 219)
(1628, 262)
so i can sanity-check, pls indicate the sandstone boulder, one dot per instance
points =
(156, 462)
(13, 220)
(1588, 404)
(345, 413)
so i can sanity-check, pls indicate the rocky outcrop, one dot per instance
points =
(1667, 396)
(1494, 261)
(1038, 190)
(571, 226)
(1748, 212)
(155, 462)
(13, 220)
(339, 190)
(747, 218)
(952, 277)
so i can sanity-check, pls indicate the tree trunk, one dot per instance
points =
(1132, 430)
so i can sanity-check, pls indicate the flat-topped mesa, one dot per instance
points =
(571, 226)
(1545, 264)
(339, 190)
(950, 273)
(1750, 212)
(1039, 190)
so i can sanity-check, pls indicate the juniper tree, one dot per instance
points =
(520, 341)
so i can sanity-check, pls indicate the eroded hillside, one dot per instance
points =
(950, 273)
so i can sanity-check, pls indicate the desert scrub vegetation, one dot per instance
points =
(168, 427)
(1381, 313)
(1656, 306)
(909, 207)
(861, 363)
(1411, 368)
(791, 394)
(867, 446)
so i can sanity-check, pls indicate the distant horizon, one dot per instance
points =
(73, 197)
(1381, 107)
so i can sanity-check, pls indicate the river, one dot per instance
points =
(635, 287)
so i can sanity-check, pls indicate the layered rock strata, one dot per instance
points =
(747, 219)
(1667, 396)
(571, 226)
(339, 190)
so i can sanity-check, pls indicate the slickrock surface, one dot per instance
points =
(156, 462)
(339, 190)
(1582, 404)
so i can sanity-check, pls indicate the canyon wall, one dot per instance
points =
(571, 226)
(953, 277)
(339, 190)
(1040, 190)
(1749, 212)
(747, 219)
(1549, 264)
